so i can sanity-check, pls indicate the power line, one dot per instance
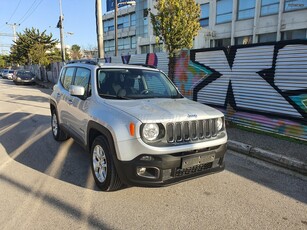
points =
(30, 11)
(14, 11)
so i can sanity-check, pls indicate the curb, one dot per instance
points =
(268, 156)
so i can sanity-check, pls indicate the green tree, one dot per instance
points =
(75, 52)
(33, 47)
(176, 24)
(2, 61)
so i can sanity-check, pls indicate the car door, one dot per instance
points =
(63, 97)
(78, 106)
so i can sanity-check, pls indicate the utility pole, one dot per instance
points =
(99, 29)
(115, 28)
(13, 25)
(61, 27)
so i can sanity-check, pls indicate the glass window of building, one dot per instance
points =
(145, 49)
(295, 5)
(269, 37)
(123, 22)
(120, 22)
(133, 42)
(108, 25)
(246, 9)
(120, 43)
(204, 15)
(294, 34)
(269, 7)
(109, 45)
(145, 28)
(126, 21)
(223, 11)
(223, 42)
(132, 19)
(157, 48)
(244, 40)
(126, 42)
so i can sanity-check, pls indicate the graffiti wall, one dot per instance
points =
(262, 86)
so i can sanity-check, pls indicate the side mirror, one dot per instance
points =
(78, 91)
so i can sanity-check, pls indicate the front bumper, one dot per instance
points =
(167, 169)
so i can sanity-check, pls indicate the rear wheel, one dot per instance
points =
(57, 132)
(103, 168)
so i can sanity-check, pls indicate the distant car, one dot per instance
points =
(8, 74)
(24, 76)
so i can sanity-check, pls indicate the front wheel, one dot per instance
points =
(102, 165)
(57, 132)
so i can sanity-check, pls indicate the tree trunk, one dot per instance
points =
(171, 67)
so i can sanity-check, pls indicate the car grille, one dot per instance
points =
(195, 169)
(191, 130)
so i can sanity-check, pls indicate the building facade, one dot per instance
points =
(223, 22)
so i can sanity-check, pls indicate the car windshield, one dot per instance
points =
(24, 73)
(126, 83)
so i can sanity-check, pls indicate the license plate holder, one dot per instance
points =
(189, 162)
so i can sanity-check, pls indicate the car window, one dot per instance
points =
(67, 77)
(82, 78)
(134, 83)
(154, 83)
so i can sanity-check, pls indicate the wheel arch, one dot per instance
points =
(94, 130)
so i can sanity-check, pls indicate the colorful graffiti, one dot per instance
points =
(188, 74)
(262, 86)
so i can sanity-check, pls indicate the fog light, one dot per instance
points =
(140, 171)
(149, 172)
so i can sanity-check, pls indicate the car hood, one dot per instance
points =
(165, 110)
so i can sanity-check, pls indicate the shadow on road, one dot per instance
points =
(56, 203)
(28, 140)
(28, 98)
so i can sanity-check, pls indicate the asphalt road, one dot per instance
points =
(48, 185)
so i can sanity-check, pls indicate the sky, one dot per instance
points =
(79, 19)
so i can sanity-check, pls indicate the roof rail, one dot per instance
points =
(85, 61)
(145, 65)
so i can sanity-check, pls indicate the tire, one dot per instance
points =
(102, 165)
(57, 132)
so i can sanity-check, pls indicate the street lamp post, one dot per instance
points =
(132, 3)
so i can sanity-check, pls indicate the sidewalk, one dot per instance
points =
(287, 154)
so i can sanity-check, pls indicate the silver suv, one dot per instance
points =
(136, 125)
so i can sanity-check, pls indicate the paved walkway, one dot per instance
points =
(287, 154)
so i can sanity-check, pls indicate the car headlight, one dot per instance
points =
(219, 124)
(150, 131)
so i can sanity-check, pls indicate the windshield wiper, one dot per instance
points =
(108, 96)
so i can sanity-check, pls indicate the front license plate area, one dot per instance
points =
(189, 162)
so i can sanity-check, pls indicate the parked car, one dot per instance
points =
(136, 125)
(8, 74)
(24, 77)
